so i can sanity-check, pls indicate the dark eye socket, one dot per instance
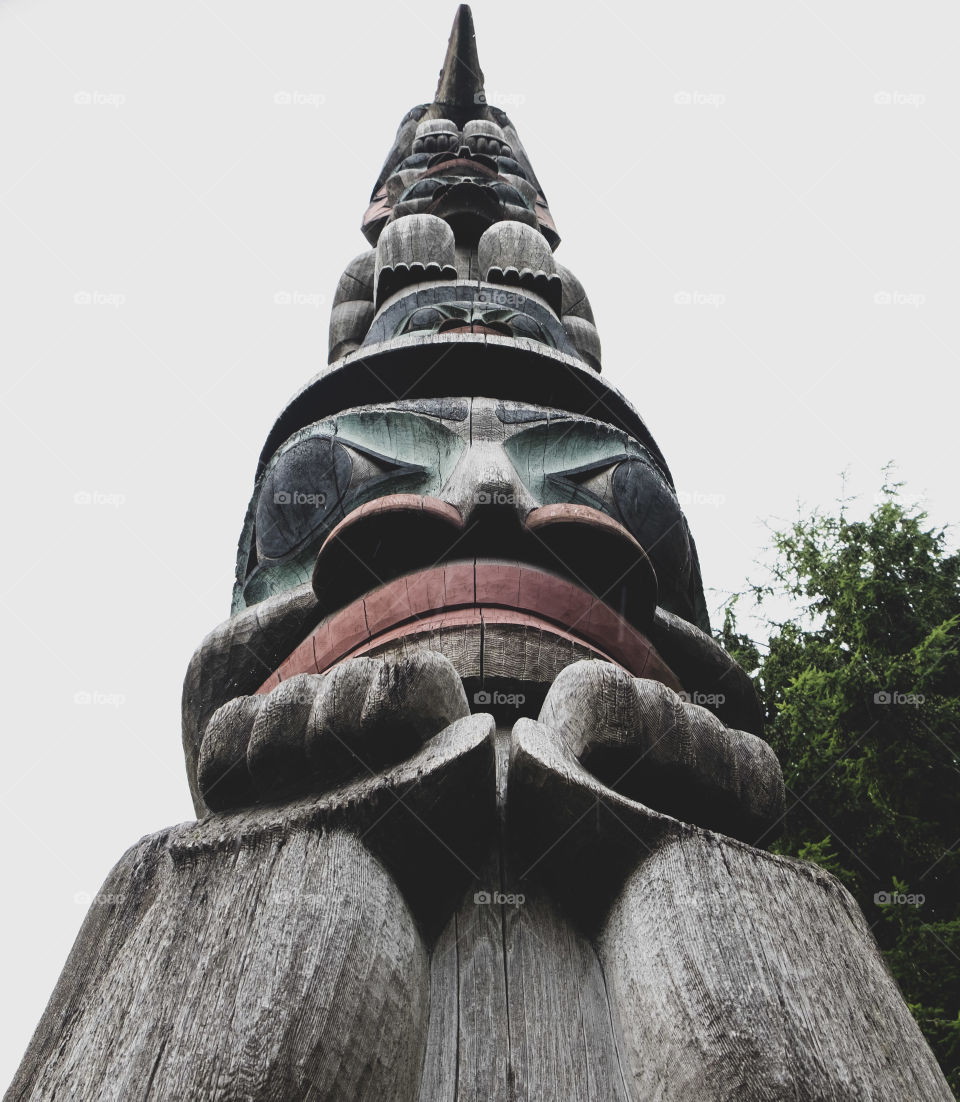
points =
(423, 189)
(510, 166)
(302, 493)
(427, 317)
(651, 512)
(415, 160)
(522, 325)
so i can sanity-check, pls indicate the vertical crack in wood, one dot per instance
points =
(456, 951)
(614, 1026)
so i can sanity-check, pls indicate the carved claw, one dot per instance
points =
(316, 731)
(643, 740)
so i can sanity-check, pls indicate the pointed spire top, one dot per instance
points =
(461, 78)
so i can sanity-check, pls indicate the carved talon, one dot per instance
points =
(641, 739)
(315, 731)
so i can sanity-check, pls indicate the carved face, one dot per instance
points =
(503, 539)
(496, 466)
(471, 176)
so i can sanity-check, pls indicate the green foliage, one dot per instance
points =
(861, 690)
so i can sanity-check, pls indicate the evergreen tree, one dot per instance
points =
(861, 690)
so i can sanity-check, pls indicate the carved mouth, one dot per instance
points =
(401, 534)
(405, 564)
(406, 561)
(479, 592)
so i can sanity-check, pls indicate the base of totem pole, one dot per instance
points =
(303, 952)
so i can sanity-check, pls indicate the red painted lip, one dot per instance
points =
(474, 592)
(465, 165)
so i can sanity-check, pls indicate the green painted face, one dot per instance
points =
(324, 472)
(469, 453)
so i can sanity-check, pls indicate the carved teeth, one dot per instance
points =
(315, 731)
(517, 255)
(413, 249)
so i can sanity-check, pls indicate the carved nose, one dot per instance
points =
(484, 482)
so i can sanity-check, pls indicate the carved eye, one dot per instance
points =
(428, 319)
(301, 494)
(416, 161)
(651, 512)
(508, 166)
(522, 325)
(423, 189)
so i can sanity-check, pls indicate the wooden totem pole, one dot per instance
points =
(479, 798)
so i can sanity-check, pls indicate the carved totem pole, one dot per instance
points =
(479, 798)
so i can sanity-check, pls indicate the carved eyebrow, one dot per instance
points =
(596, 465)
(516, 415)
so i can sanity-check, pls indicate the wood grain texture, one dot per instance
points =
(733, 974)
(741, 975)
(645, 741)
(313, 732)
(263, 977)
(336, 949)
(277, 953)
(234, 659)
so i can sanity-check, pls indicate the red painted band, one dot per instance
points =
(481, 588)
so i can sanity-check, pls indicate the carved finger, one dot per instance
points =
(222, 773)
(640, 738)
(371, 711)
(313, 732)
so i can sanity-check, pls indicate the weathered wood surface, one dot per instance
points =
(732, 973)
(338, 948)
(751, 976)
(643, 740)
(271, 954)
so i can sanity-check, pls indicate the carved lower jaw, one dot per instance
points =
(502, 625)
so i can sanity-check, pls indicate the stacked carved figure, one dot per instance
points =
(481, 802)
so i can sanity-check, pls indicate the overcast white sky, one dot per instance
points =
(792, 169)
